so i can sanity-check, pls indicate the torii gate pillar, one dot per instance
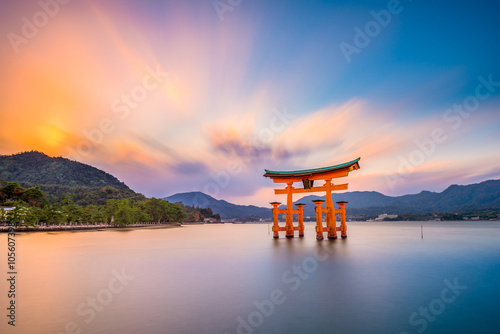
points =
(289, 210)
(343, 225)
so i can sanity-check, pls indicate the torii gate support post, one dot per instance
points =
(343, 225)
(319, 219)
(275, 218)
(300, 207)
(289, 210)
(331, 222)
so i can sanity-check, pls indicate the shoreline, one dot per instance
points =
(78, 228)
(103, 227)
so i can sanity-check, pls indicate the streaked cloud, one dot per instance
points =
(217, 111)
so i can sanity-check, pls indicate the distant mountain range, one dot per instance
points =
(484, 195)
(480, 196)
(225, 209)
(60, 177)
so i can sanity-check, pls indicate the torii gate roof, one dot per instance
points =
(310, 172)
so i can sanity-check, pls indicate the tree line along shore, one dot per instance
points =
(29, 207)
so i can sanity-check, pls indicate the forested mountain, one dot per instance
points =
(60, 178)
(57, 190)
(37, 168)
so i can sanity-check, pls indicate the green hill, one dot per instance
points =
(60, 178)
(37, 168)
(58, 189)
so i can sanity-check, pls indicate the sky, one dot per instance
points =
(202, 95)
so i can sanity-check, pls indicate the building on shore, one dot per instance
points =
(384, 216)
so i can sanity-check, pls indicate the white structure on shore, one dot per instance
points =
(385, 215)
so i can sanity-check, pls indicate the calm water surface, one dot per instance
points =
(234, 278)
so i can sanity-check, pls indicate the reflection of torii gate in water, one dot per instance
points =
(307, 177)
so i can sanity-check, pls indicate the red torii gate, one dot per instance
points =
(307, 177)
